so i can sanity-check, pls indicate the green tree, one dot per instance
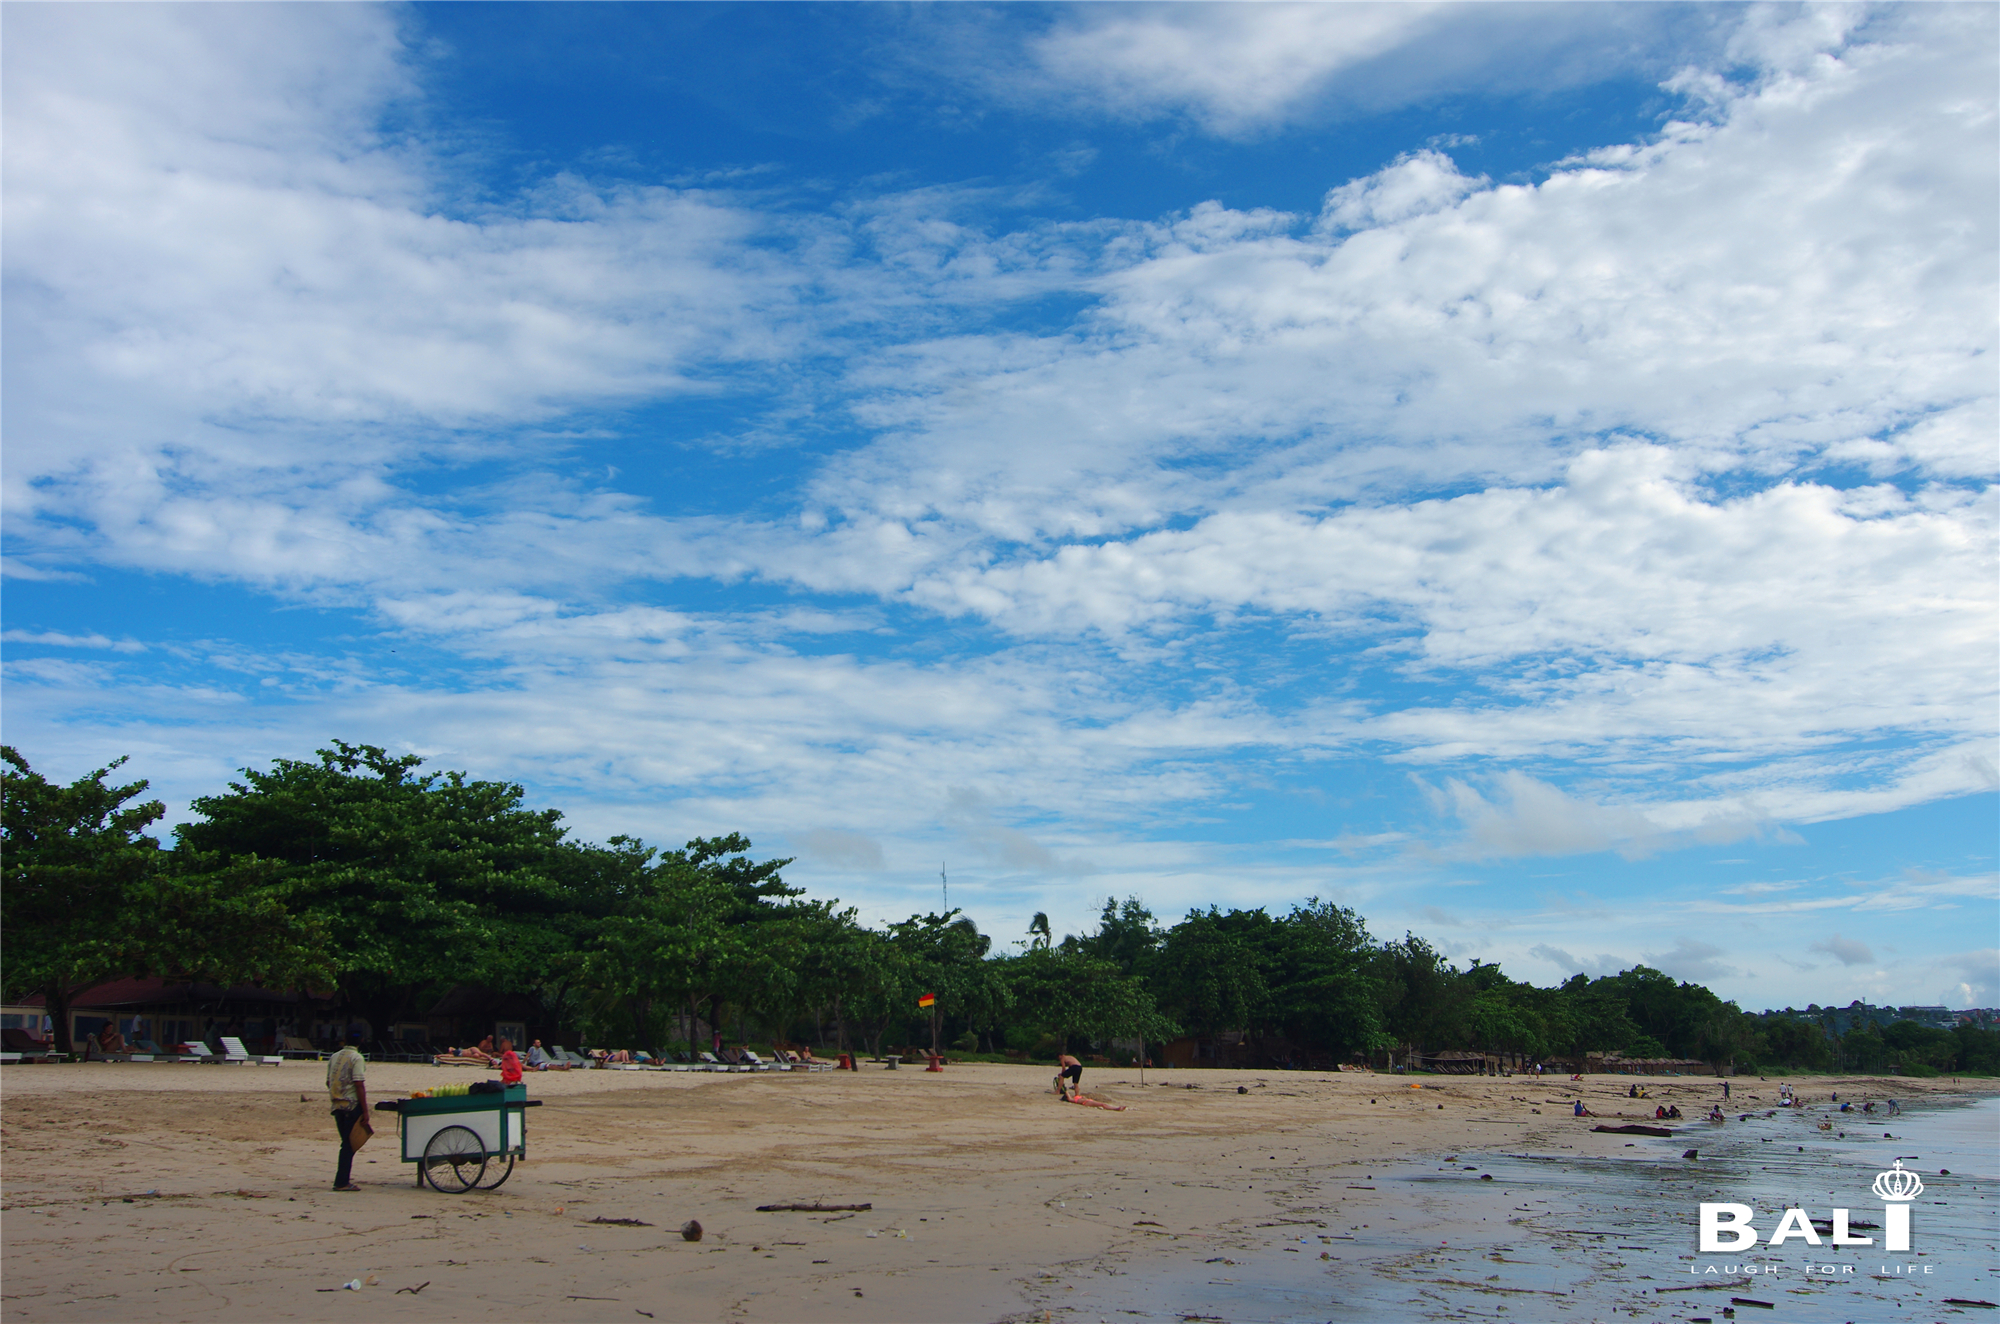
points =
(87, 897)
(420, 881)
(1072, 992)
(1126, 935)
(1323, 988)
(946, 955)
(1421, 1001)
(1208, 975)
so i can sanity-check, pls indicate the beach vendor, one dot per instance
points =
(510, 1063)
(1069, 1076)
(346, 1071)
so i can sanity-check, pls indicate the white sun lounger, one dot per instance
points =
(233, 1051)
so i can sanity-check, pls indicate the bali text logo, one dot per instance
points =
(1727, 1227)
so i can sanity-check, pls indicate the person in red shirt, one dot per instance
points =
(510, 1063)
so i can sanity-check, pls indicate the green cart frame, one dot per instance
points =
(466, 1140)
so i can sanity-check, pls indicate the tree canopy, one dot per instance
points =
(361, 876)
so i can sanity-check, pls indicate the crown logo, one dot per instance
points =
(1898, 1184)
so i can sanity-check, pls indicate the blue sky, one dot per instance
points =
(1525, 472)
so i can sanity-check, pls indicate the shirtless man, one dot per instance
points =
(1069, 1077)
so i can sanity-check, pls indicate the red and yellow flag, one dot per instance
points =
(927, 1000)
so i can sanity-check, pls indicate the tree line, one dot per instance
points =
(369, 881)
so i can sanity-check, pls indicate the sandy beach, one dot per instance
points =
(182, 1192)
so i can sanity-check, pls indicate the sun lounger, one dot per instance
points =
(29, 1048)
(235, 1050)
(294, 1046)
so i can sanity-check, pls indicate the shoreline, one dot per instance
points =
(991, 1200)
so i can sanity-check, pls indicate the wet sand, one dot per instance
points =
(179, 1192)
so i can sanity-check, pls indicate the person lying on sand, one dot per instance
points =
(1089, 1102)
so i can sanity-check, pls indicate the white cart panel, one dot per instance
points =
(499, 1130)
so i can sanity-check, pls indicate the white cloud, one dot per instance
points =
(1574, 965)
(57, 639)
(1237, 65)
(1844, 950)
(1694, 961)
(233, 347)
(1242, 69)
(842, 849)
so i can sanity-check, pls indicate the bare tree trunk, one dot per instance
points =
(58, 999)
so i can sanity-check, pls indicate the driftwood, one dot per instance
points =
(1709, 1287)
(1633, 1130)
(813, 1208)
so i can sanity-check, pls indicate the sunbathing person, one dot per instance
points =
(539, 1059)
(1089, 1102)
(615, 1055)
(110, 1041)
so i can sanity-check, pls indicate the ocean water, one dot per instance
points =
(1560, 1238)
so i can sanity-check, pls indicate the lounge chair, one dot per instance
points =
(234, 1051)
(30, 1048)
(575, 1060)
(195, 1050)
(294, 1046)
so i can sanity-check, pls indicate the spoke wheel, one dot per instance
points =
(502, 1164)
(455, 1160)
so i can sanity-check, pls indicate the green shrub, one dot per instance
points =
(1919, 1070)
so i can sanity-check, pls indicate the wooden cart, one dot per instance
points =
(464, 1140)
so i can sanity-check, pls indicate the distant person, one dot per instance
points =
(346, 1073)
(1069, 1077)
(1582, 1111)
(1715, 1114)
(110, 1041)
(510, 1063)
(1725, 1090)
(1673, 1112)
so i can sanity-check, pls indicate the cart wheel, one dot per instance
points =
(455, 1160)
(504, 1165)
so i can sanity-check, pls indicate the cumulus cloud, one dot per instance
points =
(1844, 950)
(1692, 960)
(1238, 70)
(1645, 505)
(1980, 982)
(1575, 965)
